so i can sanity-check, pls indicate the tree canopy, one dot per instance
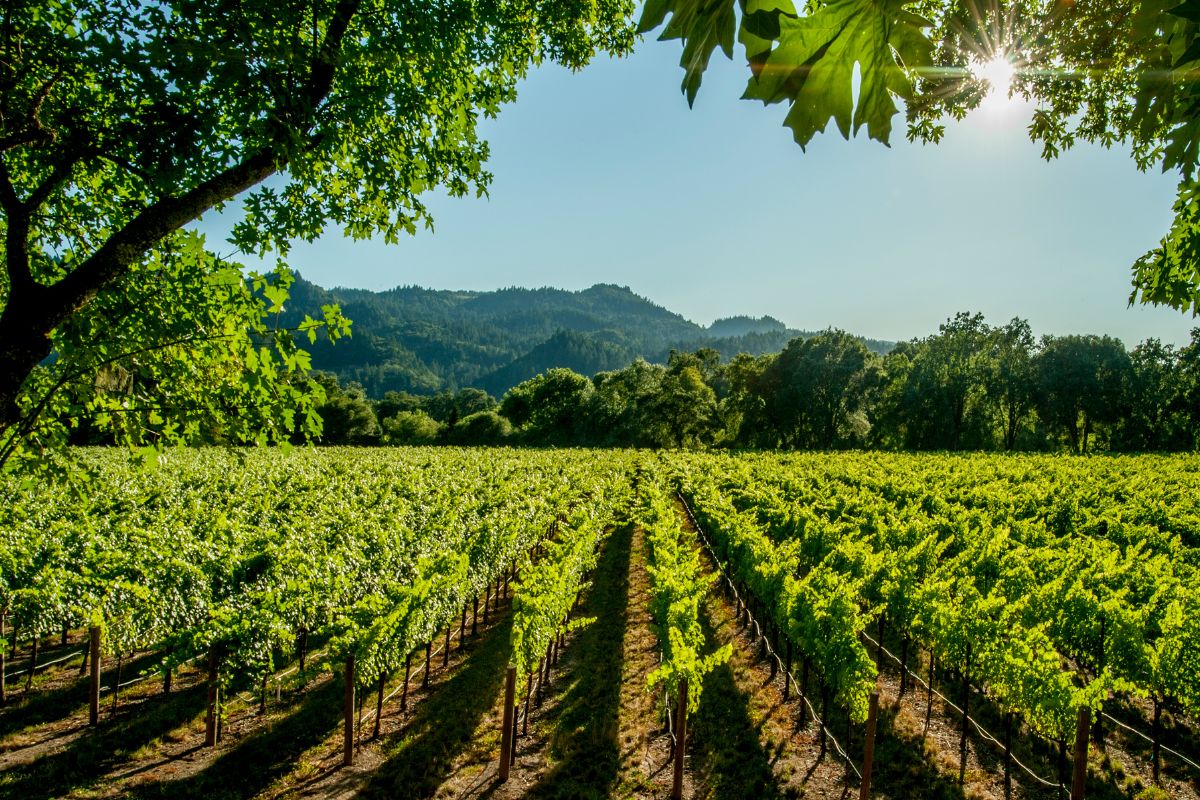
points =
(1118, 72)
(120, 123)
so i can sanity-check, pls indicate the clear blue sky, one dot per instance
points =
(606, 176)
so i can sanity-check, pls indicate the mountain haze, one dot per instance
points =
(425, 340)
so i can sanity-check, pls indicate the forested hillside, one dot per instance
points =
(426, 341)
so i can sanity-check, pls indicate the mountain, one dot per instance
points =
(425, 341)
(740, 326)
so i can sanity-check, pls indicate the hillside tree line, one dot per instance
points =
(970, 386)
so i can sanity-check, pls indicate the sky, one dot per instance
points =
(606, 176)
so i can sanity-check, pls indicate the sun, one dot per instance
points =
(998, 72)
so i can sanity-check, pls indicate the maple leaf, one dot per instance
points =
(813, 66)
(704, 25)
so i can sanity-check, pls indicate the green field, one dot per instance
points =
(237, 597)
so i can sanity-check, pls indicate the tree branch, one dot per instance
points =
(33, 131)
(161, 219)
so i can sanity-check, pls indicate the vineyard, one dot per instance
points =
(567, 623)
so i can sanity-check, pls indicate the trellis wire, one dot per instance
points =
(987, 736)
(766, 641)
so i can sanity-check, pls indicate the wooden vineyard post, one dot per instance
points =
(1008, 723)
(1156, 756)
(787, 673)
(506, 732)
(681, 741)
(487, 603)
(446, 649)
(929, 704)
(94, 683)
(864, 791)
(33, 653)
(474, 617)
(1082, 728)
(528, 692)
(210, 721)
(379, 707)
(428, 658)
(404, 691)
(3, 689)
(966, 719)
(348, 723)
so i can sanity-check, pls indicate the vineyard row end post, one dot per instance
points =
(506, 734)
(1079, 779)
(869, 746)
(681, 741)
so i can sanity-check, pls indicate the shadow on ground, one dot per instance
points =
(421, 758)
(86, 760)
(585, 745)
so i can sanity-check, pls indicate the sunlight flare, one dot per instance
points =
(998, 72)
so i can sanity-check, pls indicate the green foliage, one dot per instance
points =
(548, 587)
(1009, 570)
(410, 427)
(185, 350)
(123, 123)
(238, 554)
(677, 588)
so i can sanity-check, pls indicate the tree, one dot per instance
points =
(1187, 398)
(348, 416)
(1117, 71)
(939, 405)
(1082, 383)
(1151, 422)
(817, 390)
(480, 428)
(1010, 378)
(548, 407)
(742, 407)
(410, 427)
(121, 123)
(684, 413)
(620, 408)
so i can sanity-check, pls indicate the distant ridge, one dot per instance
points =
(426, 340)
